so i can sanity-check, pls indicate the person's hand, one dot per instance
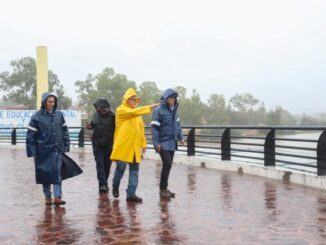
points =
(182, 142)
(153, 106)
(143, 150)
(88, 125)
(158, 148)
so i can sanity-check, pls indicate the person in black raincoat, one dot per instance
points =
(47, 139)
(166, 131)
(103, 125)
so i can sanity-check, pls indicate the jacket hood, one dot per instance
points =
(45, 96)
(128, 94)
(168, 93)
(102, 103)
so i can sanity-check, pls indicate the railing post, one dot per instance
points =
(226, 145)
(13, 136)
(81, 138)
(191, 148)
(321, 154)
(269, 149)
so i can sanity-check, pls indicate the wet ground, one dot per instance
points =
(211, 207)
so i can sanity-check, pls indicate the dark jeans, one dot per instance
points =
(103, 163)
(167, 159)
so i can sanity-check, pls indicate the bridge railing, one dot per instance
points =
(300, 148)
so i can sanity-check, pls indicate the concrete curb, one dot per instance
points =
(279, 173)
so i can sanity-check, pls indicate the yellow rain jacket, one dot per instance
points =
(129, 135)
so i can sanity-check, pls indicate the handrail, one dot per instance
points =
(217, 140)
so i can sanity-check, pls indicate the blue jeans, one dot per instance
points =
(57, 192)
(133, 176)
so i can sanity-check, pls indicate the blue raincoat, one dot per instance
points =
(47, 139)
(165, 125)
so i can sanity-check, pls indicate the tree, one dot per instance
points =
(216, 110)
(243, 102)
(20, 85)
(106, 84)
(149, 93)
(280, 116)
(192, 109)
(307, 120)
(182, 91)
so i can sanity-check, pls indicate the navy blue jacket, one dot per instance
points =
(165, 125)
(46, 139)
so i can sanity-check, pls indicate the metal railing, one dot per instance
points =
(300, 148)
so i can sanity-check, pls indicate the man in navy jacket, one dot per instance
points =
(46, 140)
(166, 131)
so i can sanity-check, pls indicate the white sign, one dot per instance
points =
(20, 118)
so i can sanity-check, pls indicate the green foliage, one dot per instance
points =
(191, 109)
(215, 113)
(149, 94)
(106, 84)
(243, 102)
(279, 116)
(20, 84)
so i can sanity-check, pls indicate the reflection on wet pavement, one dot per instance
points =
(54, 228)
(211, 207)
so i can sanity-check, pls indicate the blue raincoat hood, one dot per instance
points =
(168, 93)
(45, 95)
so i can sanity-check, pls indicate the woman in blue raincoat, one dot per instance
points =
(46, 140)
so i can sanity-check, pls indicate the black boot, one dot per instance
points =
(172, 194)
(115, 191)
(134, 199)
(103, 189)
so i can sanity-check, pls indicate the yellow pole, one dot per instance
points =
(42, 83)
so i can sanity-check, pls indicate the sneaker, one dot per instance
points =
(134, 199)
(115, 191)
(103, 189)
(165, 193)
(172, 194)
(48, 201)
(58, 201)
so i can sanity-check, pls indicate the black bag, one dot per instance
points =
(69, 168)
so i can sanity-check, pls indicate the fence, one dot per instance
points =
(301, 148)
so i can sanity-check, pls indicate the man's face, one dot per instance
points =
(133, 101)
(102, 110)
(49, 103)
(171, 101)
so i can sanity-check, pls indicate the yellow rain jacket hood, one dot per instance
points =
(129, 136)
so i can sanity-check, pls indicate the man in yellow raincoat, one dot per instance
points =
(129, 142)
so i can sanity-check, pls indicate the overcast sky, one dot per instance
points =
(273, 49)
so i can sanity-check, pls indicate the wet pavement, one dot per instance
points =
(211, 207)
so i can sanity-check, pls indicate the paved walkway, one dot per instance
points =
(211, 207)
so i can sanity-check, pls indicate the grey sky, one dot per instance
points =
(275, 50)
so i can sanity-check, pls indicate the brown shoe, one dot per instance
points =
(48, 201)
(58, 201)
